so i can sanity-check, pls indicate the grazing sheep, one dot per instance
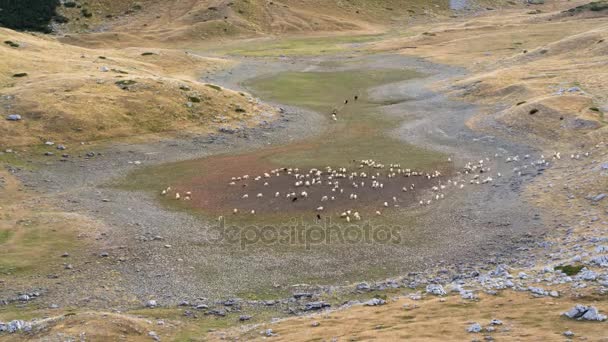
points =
(235, 211)
(245, 196)
(177, 196)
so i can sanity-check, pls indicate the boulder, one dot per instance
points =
(587, 313)
(435, 289)
(13, 117)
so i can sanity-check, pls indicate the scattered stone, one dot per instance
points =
(495, 322)
(244, 318)
(568, 333)
(375, 302)
(315, 324)
(151, 303)
(435, 289)
(215, 312)
(363, 287)
(474, 328)
(301, 295)
(316, 306)
(587, 313)
(154, 336)
(13, 117)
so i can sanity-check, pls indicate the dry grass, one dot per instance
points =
(66, 97)
(191, 22)
(524, 317)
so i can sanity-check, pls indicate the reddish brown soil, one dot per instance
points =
(212, 192)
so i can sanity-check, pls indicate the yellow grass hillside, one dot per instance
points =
(544, 65)
(70, 94)
(125, 23)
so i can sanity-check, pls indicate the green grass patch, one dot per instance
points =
(32, 247)
(359, 133)
(570, 270)
(300, 46)
(5, 235)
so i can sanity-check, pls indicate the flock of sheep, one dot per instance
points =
(355, 184)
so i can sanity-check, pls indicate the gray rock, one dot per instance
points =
(474, 328)
(601, 260)
(301, 295)
(214, 312)
(599, 197)
(154, 335)
(375, 302)
(13, 117)
(593, 315)
(228, 130)
(601, 249)
(244, 318)
(363, 287)
(495, 322)
(435, 289)
(316, 306)
(151, 303)
(582, 312)
(538, 291)
(586, 274)
(568, 333)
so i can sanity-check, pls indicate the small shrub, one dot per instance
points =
(595, 109)
(194, 99)
(533, 111)
(11, 44)
(569, 270)
(69, 4)
(21, 74)
(124, 84)
(86, 13)
(148, 54)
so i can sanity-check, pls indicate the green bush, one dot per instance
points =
(569, 270)
(34, 15)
